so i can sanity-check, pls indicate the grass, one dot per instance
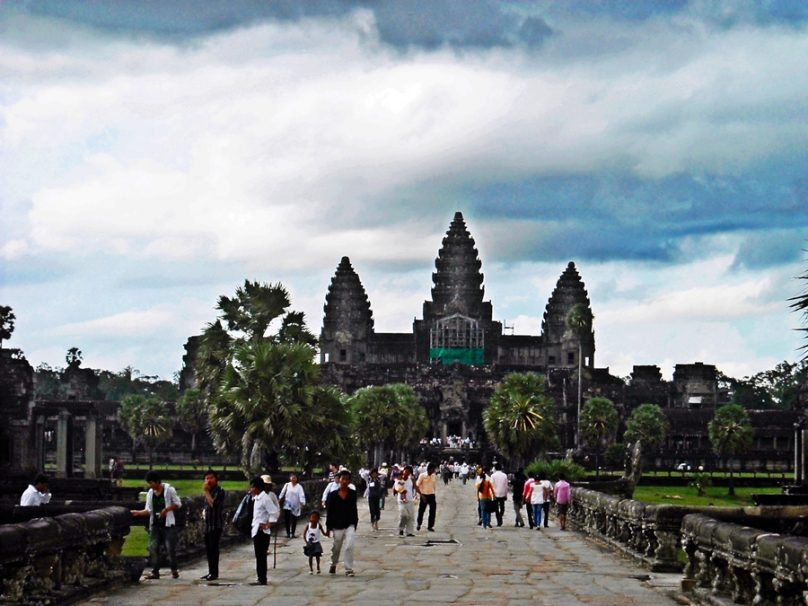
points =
(688, 495)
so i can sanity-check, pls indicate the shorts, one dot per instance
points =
(562, 508)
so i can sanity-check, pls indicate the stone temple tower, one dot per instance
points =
(457, 324)
(560, 344)
(348, 321)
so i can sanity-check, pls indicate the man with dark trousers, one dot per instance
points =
(425, 485)
(265, 515)
(214, 522)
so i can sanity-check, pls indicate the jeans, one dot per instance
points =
(343, 536)
(162, 535)
(212, 550)
(261, 546)
(537, 509)
(486, 515)
(427, 499)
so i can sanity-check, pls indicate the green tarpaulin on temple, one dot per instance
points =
(468, 356)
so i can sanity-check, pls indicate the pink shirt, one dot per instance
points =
(562, 492)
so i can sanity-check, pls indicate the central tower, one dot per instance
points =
(457, 325)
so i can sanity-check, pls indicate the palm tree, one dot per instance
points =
(579, 321)
(521, 420)
(648, 424)
(253, 308)
(598, 425)
(192, 414)
(388, 418)
(146, 420)
(730, 433)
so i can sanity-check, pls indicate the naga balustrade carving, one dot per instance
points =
(748, 565)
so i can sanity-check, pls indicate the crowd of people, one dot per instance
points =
(261, 509)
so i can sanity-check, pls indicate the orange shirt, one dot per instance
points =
(426, 483)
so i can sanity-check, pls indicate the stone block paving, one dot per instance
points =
(498, 566)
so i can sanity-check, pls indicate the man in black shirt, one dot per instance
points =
(214, 522)
(342, 518)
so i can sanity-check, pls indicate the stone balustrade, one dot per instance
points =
(649, 533)
(749, 565)
(49, 560)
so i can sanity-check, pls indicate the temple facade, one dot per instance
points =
(457, 325)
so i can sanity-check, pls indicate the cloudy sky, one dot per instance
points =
(154, 154)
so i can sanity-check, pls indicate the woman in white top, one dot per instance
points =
(540, 498)
(293, 499)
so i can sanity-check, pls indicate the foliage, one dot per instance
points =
(147, 420)
(730, 431)
(579, 319)
(647, 423)
(261, 388)
(598, 423)
(388, 417)
(74, 357)
(192, 414)
(700, 481)
(800, 305)
(554, 467)
(521, 419)
(7, 319)
(116, 385)
(775, 388)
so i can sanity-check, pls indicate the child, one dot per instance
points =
(314, 532)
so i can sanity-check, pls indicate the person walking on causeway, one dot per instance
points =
(313, 535)
(374, 493)
(341, 520)
(425, 485)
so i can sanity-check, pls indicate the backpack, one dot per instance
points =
(242, 519)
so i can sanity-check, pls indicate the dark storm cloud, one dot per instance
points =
(605, 218)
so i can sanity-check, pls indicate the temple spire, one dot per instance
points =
(457, 283)
(348, 320)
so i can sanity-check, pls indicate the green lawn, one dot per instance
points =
(687, 495)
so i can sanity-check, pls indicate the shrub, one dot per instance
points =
(554, 467)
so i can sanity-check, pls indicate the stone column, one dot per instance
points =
(64, 445)
(39, 443)
(92, 448)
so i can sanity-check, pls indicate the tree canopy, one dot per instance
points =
(598, 423)
(730, 434)
(147, 420)
(521, 420)
(648, 424)
(7, 319)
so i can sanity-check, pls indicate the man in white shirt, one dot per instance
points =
(405, 495)
(265, 515)
(499, 480)
(37, 493)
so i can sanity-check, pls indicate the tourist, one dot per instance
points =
(313, 537)
(464, 472)
(480, 474)
(332, 486)
(374, 493)
(526, 500)
(341, 520)
(405, 494)
(487, 501)
(269, 488)
(547, 495)
(425, 485)
(117, 473)
(385, 482)
(213, 514)
(37, 493)
(499, 480)
(561, 492)
(518, 487)
(265, 515)
(447, 472)
(540, 492)
(293, 498)
(161, 503)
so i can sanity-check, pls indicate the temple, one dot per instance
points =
(457, 325)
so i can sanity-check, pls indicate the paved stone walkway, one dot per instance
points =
(500, 566)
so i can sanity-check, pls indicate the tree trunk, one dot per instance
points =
(193, 445)
(731, 491)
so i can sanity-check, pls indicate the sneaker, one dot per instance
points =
(419, 528)
(318, 571)
(431, 529)
(254, 583)
(410, 535)
(152, 576)
(401, 533)
(349, 573)
(175, 574)
(311, 572)
(332, 570)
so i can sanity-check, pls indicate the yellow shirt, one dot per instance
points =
(426, 483)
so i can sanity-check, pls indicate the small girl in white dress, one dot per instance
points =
(313, 548)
